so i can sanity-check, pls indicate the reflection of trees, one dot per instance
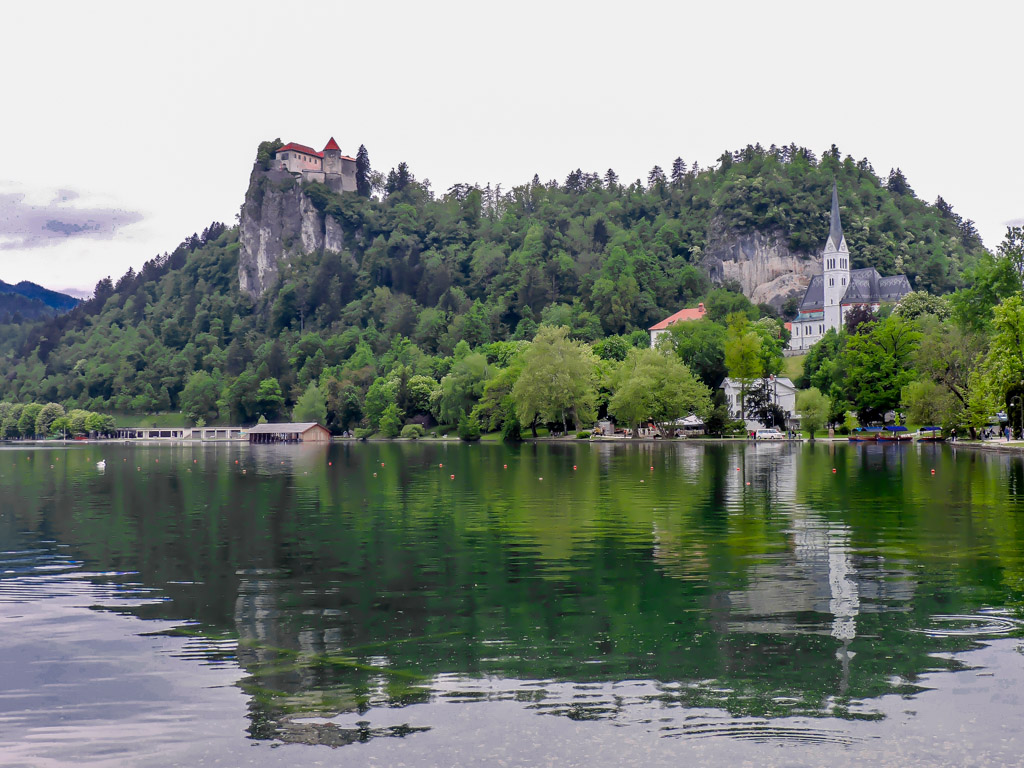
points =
(349, 591)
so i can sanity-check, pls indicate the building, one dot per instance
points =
(328, 167)
(303, 432)
(838, 288)
(659, 329)
(783, 393)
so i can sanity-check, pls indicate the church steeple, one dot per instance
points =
(835, 230)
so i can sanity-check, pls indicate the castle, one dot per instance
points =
(329, 167)
(838, 288)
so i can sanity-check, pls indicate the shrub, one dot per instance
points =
(583, 435)
(469, 428)
(362, 433)
(413, 431)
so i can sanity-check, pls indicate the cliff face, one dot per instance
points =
(278, 221)
(763, 265)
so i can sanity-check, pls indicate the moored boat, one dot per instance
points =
(864, 434)
(930, 435)
(895, 434)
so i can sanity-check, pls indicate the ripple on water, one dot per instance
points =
(981, 624)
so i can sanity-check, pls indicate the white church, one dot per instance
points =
(838, 288)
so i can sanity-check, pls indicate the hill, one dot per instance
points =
(28, 301)
(356, 285)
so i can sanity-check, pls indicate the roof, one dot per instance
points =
(291, 145)
(284, 429)
(835, 228)
(332, 144)
(694, 313)
(866, 287)
(814, 296)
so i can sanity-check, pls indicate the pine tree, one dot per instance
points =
(656, 176)
(363, 186)
(611, 179)
(678, 172)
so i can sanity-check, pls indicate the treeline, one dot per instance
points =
(33, 420)
(424, 276)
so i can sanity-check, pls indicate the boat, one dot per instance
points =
(930, 435)
(864, 434)
(895, 434)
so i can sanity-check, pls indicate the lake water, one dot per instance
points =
(449, 604)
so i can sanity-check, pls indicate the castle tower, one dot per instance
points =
(835, 267)
(332, 157)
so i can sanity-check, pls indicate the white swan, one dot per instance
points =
(101, 464)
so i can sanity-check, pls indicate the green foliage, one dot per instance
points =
(557, 383)
(311, 406)
(879, 366)
(469, 427)
(47, 415)
(583, 434)
(651, 384)
(361, 433)
(199, 398)
(391, 421)
(814, 409)
(919, 303)
(413, 431)
(700, 344)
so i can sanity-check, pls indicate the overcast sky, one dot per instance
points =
(128, 126)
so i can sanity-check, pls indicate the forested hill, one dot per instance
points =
(419, 272)
(28, 301)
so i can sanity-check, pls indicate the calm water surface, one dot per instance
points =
(433, 604)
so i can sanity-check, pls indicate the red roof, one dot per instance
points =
(789, 326)
(332, 144)
(682, 315)
(291, 145)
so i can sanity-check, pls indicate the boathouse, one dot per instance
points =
(303, 432)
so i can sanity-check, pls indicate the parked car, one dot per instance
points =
(769, 434)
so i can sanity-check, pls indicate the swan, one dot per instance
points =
(102, 464)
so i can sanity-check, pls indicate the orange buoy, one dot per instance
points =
(506, 466)
(833, 470)
(236, 461)
(652, 469)
(440, 465)
(933, 471)
(573, 467)
(330, 463)
(748, 482)
(382, 463)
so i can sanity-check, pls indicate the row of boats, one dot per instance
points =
(895, 434)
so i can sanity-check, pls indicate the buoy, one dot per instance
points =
(748, 482)
(573, 467)
(933, 471)
(540, 478)
(236, 461)
(737, 469)
(193, 461)
(330, 463)
(506, 466)
(374, 474)
(642, 481)
(452, 477)
(440, 465)
(833, 470)
(652, 469)
(382, 463)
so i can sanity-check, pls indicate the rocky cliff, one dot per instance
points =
(278, 221)
(767, 271)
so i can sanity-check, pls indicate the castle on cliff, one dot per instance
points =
(838, 288)
(329, 167)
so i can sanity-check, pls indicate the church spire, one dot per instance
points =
(835, 230)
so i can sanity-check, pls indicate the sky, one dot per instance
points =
(128, 126)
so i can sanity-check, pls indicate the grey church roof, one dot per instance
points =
(866, 287)
(835, 228)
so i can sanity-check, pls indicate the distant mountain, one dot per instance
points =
(29, 301)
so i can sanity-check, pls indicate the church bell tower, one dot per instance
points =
(835, 267)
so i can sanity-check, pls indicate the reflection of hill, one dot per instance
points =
(349, 591)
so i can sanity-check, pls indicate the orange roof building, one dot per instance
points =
(682, 316)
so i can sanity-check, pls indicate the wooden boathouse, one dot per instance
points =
(303, 432)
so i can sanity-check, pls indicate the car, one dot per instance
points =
(769, 434)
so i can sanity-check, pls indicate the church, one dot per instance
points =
(838, 288)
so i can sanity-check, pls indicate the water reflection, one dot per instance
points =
(358, 586)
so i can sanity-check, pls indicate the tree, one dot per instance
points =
(363, 172)
(814, 409)
(743, 358)
(199, 398)
(558, 380)
(929, 403)
(1002, 370)
(27, 422)
(859, 318)
(678, 172)
(461, 388)
(879, 366)
(47, 415)
(700, 344)
(311, 406)
(652, 384)
(469, 427)
(379, 396)
(391, 421)
(918, 303)
(761, 405)
(269, 400)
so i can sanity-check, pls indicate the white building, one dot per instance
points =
(838, 288)
(783, 393)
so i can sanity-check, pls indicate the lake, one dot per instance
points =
(559, 604)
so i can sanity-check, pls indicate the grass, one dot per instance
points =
(793, 366)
